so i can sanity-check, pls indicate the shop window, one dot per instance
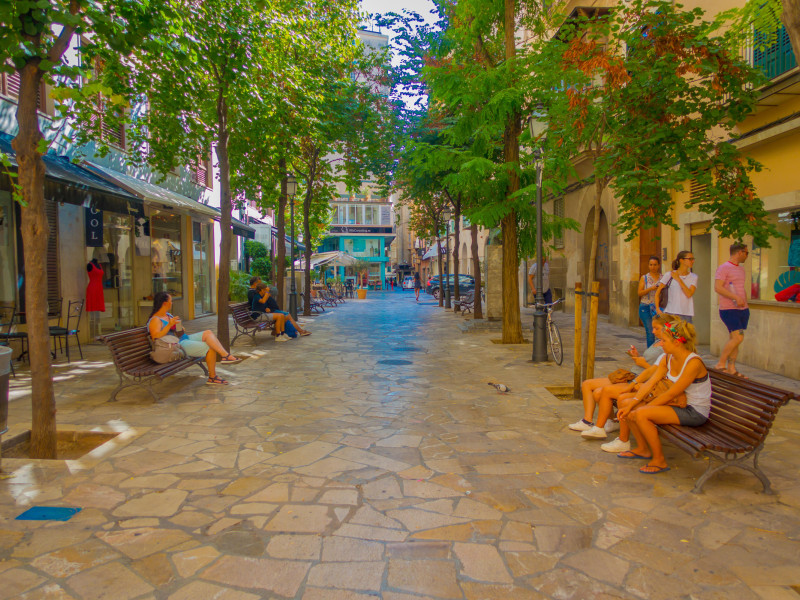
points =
(775, 271)
(165, 255)
(353, 215)
(202, 256)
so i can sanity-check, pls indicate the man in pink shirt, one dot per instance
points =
(729, 284)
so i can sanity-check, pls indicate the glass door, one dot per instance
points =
(115, 258)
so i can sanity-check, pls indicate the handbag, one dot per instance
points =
(662, 386)
(166, 349)
(621, 376)
(664, 297)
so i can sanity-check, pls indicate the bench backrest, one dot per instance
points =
(241, 312)
(745, 409)
(129, 348)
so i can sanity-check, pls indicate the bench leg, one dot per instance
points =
(740, 463)
(125, 382)
(203, 366)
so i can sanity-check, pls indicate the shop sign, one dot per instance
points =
(93, 222)
(349, 229)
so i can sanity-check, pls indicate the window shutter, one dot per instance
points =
(53, 286)
(558, 211)
(697, 191)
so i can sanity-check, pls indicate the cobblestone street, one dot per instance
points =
(373, 460)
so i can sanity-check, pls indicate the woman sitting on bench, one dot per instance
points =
(687, 376)
(196, 345)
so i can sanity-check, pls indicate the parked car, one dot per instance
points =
(465, 283)
(408, 282)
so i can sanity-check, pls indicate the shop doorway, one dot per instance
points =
(701, 248)
(116, 260)
(601, 263)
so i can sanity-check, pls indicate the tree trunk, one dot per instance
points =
(476, 268)
(35, 233)
(456, 243)
(280, 224)
(226, 232)
(307, 241)
(512, 325)
(791, 20)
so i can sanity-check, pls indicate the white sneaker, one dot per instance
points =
(611, 426)
(282, 338)
(595, 433)
(616, 446)
(580, 425)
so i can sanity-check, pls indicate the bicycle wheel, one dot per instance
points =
(555, 342)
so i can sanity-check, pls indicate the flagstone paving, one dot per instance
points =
(322, 473)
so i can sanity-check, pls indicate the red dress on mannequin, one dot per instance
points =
(95, 302)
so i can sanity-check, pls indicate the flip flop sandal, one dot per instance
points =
(231, 359)
(656, 470)
(216, 381)
(738, 374)
(628, 454)
(304, 333)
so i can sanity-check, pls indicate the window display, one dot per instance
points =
(775, 271)
(7, 287)
(203, 259)
(165, 254)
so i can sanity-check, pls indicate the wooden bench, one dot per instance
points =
(742, 412)
(244, 322)
(130, 351)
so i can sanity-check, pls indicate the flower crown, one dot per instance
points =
(673, 330)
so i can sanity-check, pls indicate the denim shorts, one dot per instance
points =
(689, 417)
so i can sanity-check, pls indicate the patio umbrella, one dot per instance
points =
(327, 259)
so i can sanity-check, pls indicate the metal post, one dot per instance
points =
(293, 288)
(446, 279)
(539, 315)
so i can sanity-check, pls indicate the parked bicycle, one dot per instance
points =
(553, 334)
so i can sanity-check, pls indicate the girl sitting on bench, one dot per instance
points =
(196, 345)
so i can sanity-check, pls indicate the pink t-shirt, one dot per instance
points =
(732, 277)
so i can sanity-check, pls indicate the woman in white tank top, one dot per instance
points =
(688, 375)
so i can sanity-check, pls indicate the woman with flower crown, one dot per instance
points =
(688, 375)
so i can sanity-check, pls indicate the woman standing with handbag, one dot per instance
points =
(687, 375)
(648, 284)
(679, 285)
(163, 325)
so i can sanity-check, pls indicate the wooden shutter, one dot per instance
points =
(697, 191)
(200, 172)
(53, 286)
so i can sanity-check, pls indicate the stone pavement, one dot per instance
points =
(372, 460)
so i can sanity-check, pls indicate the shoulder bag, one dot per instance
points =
(664, 297)
(166, 349)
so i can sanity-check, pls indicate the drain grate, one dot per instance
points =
(405, 349)
(394, 362)
(604, 359)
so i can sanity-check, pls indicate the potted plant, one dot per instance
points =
(361, 267)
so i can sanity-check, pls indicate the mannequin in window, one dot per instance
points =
(95, 300)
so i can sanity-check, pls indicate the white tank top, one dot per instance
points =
(698, 393)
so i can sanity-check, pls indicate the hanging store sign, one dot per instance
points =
(93, 223)
(353, 229)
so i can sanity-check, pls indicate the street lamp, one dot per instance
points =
(447, 214)
(291, 190)
(538, 126)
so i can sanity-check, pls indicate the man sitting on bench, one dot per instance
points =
(259, 305)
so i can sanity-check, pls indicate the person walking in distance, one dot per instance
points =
(680, 284)
(417, 285)
(548, 295)
(729, 283)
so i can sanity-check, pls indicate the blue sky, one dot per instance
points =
(384, 6)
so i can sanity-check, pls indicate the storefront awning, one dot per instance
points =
(432, 251)
(61, 170)
(156, 195)
(328, 259)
